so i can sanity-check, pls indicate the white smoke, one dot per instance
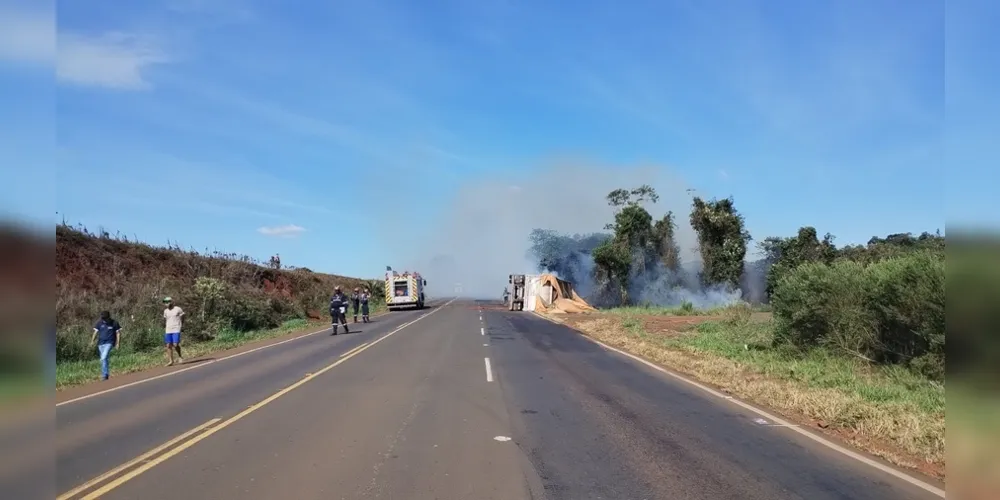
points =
(483, 237)
(663, 287)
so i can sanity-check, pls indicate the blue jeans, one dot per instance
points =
(105, 351)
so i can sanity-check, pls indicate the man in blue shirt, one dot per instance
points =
(106, 336)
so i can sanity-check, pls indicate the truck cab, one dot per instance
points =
(516, 300)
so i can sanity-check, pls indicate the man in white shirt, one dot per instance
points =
(173, 316)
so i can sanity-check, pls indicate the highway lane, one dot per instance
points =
(100, 432)
(598, 424)
(411, 416)
(508, 406)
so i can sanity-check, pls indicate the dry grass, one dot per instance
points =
(889, 412)
(227, 297)
(72, 373)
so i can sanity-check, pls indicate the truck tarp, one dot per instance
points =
(564, 298)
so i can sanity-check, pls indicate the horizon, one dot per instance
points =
(751, 257)
(331, 133)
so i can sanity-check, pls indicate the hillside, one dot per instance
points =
(221, 293)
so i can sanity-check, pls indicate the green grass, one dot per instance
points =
(818, 368)
(686, 309)
(72, 373)
(889, 411)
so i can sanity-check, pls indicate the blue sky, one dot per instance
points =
(263, 126)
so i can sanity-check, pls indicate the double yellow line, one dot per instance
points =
(115, 477)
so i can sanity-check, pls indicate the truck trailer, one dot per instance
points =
(404, 290)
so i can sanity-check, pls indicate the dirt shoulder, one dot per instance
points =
(201, 353)
(851, 404)
(69, 392)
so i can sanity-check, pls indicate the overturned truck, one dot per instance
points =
(544, 293)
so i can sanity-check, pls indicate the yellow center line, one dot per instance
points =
(348, 353)
(141, 458)
(120, 480)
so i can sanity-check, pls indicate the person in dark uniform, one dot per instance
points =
(356, 302)
(365, 299)
(338, 310)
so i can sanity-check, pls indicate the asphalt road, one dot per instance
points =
(450, 406)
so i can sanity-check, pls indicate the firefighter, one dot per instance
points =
(338, 310)
(365, 299)
(356, 302)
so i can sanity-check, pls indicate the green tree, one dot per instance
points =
(665, 244)
(785, 254)
(632, 235)
(561, 254)
(722, 240)
(893, 245)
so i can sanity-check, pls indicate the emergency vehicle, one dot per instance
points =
(404, 290)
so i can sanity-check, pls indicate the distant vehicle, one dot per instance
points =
(404, 290)
(515, 302)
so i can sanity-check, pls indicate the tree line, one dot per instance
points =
(883, 301)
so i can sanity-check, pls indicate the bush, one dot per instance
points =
(219, 292)
(890, 311)
(687, 308)
(737, 314)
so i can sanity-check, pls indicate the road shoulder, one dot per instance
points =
(72, 392)
(77, 391)
(924, 473)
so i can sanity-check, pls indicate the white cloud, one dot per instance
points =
(287, 231)
(113, 60)
(27, 36)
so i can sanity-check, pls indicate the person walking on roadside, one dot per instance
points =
(365, 299)
(338, 310)
(356, 302)
(174, 318)
(106, 335)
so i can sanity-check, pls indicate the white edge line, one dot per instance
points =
(489, 371)
(217, 424)
(779, 421)
(204, 364)
(482, 331)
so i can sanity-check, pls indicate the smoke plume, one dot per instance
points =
(484, 235)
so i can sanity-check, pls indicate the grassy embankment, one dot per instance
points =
(853, 349)
(229, 300)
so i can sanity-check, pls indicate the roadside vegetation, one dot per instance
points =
(76, 372)
(974, 407)
(228, 300)
(850, 340)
